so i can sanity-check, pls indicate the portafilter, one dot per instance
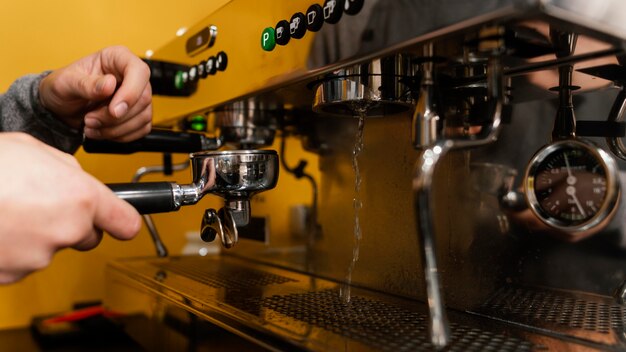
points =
(234, 175)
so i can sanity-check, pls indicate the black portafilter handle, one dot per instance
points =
(147, 197)
(158, 140)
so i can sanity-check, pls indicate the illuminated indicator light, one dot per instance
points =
(198, 123)
(178, 80)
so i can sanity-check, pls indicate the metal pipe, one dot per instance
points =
(422, 194)
(147, 219)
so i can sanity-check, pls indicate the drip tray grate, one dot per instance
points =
(381, 325)
(281, 307)
(567, 312)
(218, 275)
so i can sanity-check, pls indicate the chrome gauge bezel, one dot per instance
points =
(609, 203)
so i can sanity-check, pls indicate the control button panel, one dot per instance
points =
(313, 20)
(282, 33)
(333, 9)
(201, 41)
(297, 25)
(168, 78)
(268, 39)
(221, 61)
(210, 67)
(185, 78)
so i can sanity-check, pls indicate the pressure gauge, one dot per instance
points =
(572, 185)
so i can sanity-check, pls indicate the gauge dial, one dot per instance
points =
(572, 185)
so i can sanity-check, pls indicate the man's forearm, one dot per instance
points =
(20, 110)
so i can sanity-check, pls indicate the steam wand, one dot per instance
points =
(167, 168)
(154, 234)
(428, 138)
(298, 172)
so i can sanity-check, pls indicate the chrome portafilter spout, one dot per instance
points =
(234, 175)
(428, 137)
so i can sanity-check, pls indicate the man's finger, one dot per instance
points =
(115, 216)
(90, 242)
(134, 74)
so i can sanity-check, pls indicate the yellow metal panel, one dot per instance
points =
(240, 25)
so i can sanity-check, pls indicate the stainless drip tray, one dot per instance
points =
(280, 309)
(588, 317)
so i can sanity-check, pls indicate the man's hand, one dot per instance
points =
(108, 92)
(50, 203)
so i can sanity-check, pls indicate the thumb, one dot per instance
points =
(115, 216)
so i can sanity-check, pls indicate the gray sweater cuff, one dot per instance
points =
(21, 110)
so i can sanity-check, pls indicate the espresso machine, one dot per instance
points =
(468, 196)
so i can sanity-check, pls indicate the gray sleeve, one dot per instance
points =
(20, 111)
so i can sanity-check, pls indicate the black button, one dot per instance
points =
(282, 33)
(333, 9)
(353, 6)
(202, 69)
(297, 25)
(314, 18)
(211, 68)
(221, 61)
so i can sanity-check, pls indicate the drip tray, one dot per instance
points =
(582, 316)
(280, 309)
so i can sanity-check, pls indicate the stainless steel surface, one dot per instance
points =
(565, 122)
(286, 310)
(378, 88)
(585, 317)
(426, 130)
(248, 124)
(234, 174)
(616, 144)
(620, 294)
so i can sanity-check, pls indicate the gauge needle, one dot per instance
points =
(571, 190)
(571, 179)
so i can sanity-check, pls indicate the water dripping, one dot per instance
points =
(357, 203)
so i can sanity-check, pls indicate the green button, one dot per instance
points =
(178, 80)
(198, 123)
(268, 39)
